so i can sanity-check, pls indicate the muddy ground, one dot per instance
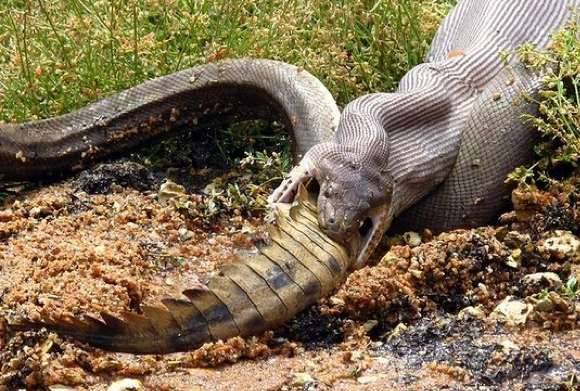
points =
(424, 316)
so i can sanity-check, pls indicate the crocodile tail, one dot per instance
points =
(264, 290)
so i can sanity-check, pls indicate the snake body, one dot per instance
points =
(432, 154)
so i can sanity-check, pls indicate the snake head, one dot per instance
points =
(353, 203)
(353, 198)
(349, 191)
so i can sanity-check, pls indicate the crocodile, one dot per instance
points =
(432, 154)
(269, 286)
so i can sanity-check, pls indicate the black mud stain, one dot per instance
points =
(557, 217)
(441, 340)
(313, 329)
(458, 344)
(104, 177)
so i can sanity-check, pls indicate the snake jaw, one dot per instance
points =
(370, 234)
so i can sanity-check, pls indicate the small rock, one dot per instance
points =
(447, 237)
(47, 346)
(471, 313)
(397, 331)
(388, 259)
(357, 355)
(368, 379)
(35, 212)
(169, 190)
(512, 311)
(514, 259)
(126, 385)
(301, 379)
(337, 302)
(516, 240)
(563, 244)
(544, 305)
(413, 239)
(483, 289)
(501, 233)
(545, 280)
(418, 274)
(508, 345)
(117, 207)
(60, 387)
(100, 250)
(370, 324)
(184, 234)
(376, 344)
(549, 302)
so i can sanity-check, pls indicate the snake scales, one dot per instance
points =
(432, 154)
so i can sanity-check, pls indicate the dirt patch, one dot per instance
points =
(400, 324)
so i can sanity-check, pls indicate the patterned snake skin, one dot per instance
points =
(433, 154)
(437, 151)
(198, 97)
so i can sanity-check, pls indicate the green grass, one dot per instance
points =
(59, 55)
(559, 106)
(559, 101)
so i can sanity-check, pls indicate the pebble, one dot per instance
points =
(471, 313)
(389, 258)
(413, 239)
(544, 305)
(100, 250)
(515, 239)
(335, 301)
(508, 345)
(117, 207)
(547, 279)
(126, 385)
(563, 244)
(35, 212)
(514, 259)
(512, 311)
(184, 234)
(301, 379)
(550, 302)
(368, 379)
(370, 325)
(397, 331)
(170, 189)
